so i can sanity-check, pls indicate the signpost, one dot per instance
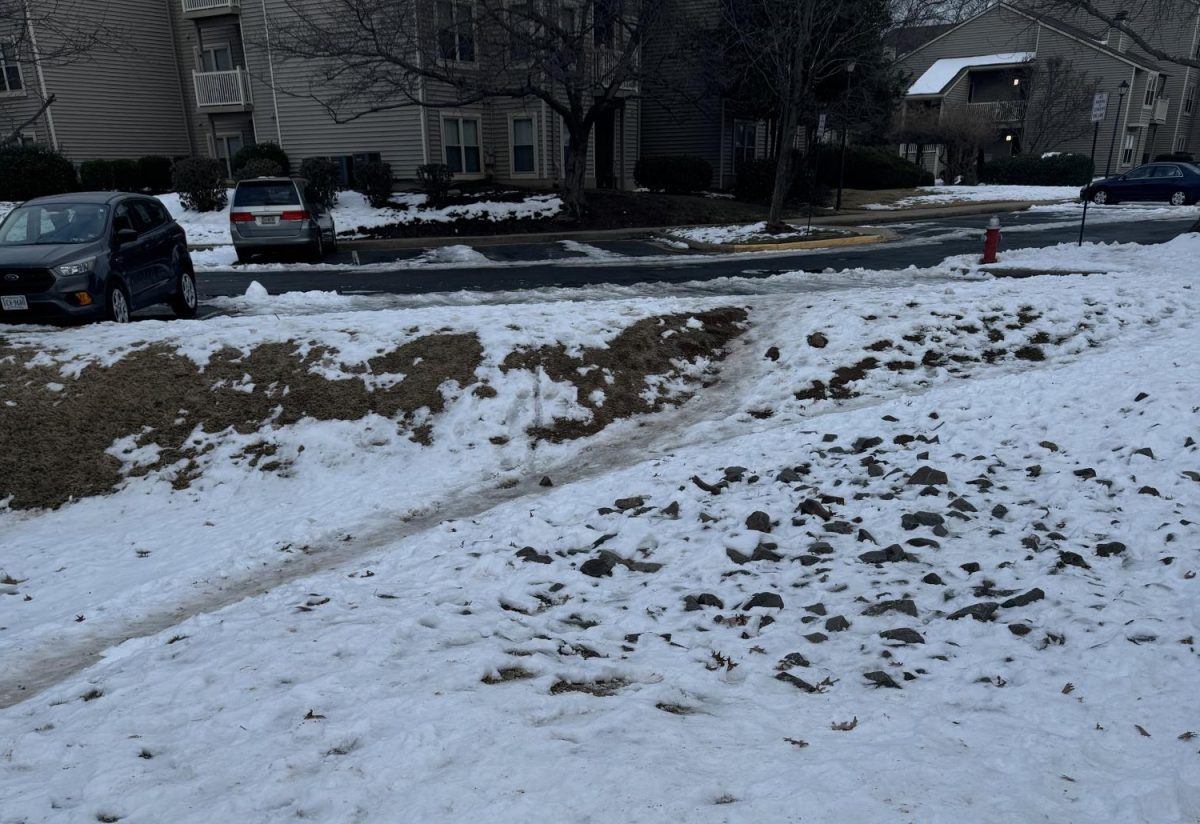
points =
(1099, 112)
(814, 166)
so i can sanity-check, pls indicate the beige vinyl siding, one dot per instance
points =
(303, 126)
(121, 102)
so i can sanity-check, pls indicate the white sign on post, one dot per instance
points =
(1099, 107)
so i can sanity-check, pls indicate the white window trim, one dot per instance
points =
(1129, 144)
(216, 47)
(1151, 90)
(733, 144)
(512, 145)
(1181, 143)
(21, 92)
(478, 118)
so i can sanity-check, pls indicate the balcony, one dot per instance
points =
(999, 111)
(195, 9)
(218, 92)
(1159, 112)
(1154, 113)
(604, 68)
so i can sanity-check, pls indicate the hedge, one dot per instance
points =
(676, 174)
(200, 182)
(322, 176)
(755, 181)
(870, 168)
(33, 171)
(96, 175)
(257, 167)
(154, 174)
(435, 180)
(1031, 170)
(260, 151)
(374, 180)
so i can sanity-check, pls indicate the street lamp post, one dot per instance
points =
(1123, 89)
(850, 67)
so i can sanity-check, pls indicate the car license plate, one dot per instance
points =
(269, 220)
(14, 303)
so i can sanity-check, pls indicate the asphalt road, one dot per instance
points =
(523, 266)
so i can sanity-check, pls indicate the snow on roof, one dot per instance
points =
(938, 76)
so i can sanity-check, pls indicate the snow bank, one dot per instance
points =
(938, 195)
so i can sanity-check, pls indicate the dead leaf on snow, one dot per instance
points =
(796, 742)
(1187, 736)
(1068, 688)
(1142, 730)
(844, 726)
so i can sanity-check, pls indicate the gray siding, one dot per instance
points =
(285, 112)
(125, 102)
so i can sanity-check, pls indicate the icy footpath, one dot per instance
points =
(972, 602)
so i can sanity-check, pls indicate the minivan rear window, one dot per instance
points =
(266, 194)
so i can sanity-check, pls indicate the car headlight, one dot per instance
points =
(78, 267)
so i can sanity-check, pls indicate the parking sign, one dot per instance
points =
(1099, 107)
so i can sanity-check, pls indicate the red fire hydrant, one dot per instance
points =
(991, 241)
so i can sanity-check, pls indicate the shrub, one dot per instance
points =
(755, 179)
(154, 174)
(258, 167)
(261, 151)
(677, 174)
(374, 180)
(125, 176)
(96, 176)
(322, 176)
(200, 182)
(33, 171)
(869, 168)
(1030, 170)
(435, 180)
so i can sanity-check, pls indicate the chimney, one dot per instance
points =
(1115, 38)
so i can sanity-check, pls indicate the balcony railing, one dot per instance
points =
(210, 8)
(604, 68)
(1159, 115)
(223, 90)
(999, 111)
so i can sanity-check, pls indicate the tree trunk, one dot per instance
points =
(574, 199)
(783, 167)
(15, 135)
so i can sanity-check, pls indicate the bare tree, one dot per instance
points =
(581, 59)
(959, 134)
(1152, 26)
(36, 34)
(789, 50)
(1059, 101)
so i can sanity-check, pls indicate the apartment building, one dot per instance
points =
(202, 77)
(985, 64)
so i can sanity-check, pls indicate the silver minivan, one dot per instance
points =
(276, 214)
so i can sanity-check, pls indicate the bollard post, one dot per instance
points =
(991, 241)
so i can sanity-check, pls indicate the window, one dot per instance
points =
(604, 24)
(1127, 148)
(11, 81)
(150, 215)
(456, 30)
(745, 142)
(520, 32)
(217, 59)
(1181, 143)
(570, 21)
(1166, 171)
(1189, 99)
(254, 193)
(524, 146)
(460, 138)
(1151, 90)
(227, 146)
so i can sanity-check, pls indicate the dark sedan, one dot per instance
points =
(1174, 183)
(93, 255)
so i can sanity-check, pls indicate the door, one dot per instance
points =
(153, 222)
(1134, 184)
(1167, 179)
(132, 261)
(606, 128)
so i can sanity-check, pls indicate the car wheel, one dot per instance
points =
(1100, 197)
(1179, 199)
(243, 256)
(185, 299)
(116, 303)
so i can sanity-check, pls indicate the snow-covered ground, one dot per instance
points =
(736, 233)
(384, 625)
(941, 195)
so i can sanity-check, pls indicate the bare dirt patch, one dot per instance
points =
(60, 439)
(652, 347)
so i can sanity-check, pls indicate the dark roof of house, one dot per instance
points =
(911, 38)
(1088, 37)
